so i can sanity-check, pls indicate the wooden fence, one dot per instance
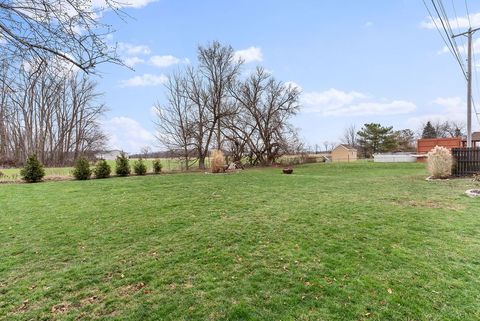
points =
(467, 161)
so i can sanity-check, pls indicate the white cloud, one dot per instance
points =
(460, 23)
(132, 61)
(164, 61)
(127, 134)
(137, 3)
(122, 4)
(249, 55)
(463, 49)
(453, 109)
(132, 50)
(334, 102)
(144, 80)
(368, 24)
(293, 85)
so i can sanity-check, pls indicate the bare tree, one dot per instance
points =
(350, 135)
(219, 69)
(40, 30)
(267, 105)
(326, 144)
(51, 113)
(175, 122)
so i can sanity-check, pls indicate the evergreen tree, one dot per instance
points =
(122, 167)
(82, 169)
(140, 167)
(429, 131)
(374, 138)
(33, 170)
(102, 170)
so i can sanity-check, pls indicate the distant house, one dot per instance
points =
(109, 154)
(475, 140)
(344, 153)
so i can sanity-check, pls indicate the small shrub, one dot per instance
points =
(102, 170)
(122, 166)
(157, 166)
(475, 178)
(218, 161)
(33, 170)
(440, 162)
(139, 167)
(1, 174)
(82, 169)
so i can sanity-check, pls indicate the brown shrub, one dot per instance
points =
(218, 161)
(440, 162)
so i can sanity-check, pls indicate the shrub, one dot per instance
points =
(33, 170)
(122, 166)
(157, 166)
(102, 170)
(140, 167)
(82, 169)
(218, 161)
(440, 162)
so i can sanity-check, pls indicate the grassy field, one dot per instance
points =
(331, 242)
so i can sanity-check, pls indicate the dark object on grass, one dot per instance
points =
(287, 170)
(33, 170)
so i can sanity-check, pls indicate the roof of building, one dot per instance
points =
(475, 137)
(349, 147)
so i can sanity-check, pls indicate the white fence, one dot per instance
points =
(394, 158)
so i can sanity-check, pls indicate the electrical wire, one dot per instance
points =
(448, 43)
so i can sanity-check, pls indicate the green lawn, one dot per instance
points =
(331, 242)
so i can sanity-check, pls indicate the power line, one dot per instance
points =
(448, 43)
(448, 34)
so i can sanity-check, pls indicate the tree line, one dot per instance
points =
(49, 111)
(374, 138)
(215, 105)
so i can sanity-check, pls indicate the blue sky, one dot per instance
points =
(356, 61)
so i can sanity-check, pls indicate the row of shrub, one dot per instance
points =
(33, 171)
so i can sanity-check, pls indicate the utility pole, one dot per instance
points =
(469, 35)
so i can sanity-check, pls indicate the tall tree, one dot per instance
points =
(405, 139)
(429, 131)
(51, 113)
(350, 135)
(71, 31)
(219, 69)
(374, 138)
(175, 121)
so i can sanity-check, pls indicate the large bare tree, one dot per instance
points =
(51, 113)
(69, 30)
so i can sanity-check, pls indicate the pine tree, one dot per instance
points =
(429, 131)
(33, 170)
(374, 138)
(82, 169)
(102, 170)
(122, 167)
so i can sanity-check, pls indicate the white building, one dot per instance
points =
(109, 154)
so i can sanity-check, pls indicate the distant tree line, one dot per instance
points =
(442, 129)
(374, 138)
(215, 105)
(49, 111)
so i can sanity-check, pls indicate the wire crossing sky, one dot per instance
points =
(391, 62)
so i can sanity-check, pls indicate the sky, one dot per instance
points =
(355, 61)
